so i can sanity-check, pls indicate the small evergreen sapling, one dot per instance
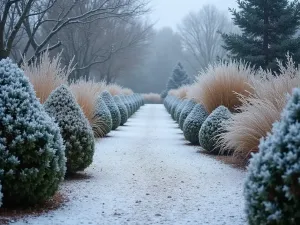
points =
(32, 154)
(113, 108)
(103, 118)
(185, 112)
(273, 181)
(74, 127)
(193, 123)
(122, 109)
(212, 128)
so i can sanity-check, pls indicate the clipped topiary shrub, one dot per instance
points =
(32, 154)
(122, 109)
(103, 118)
(273, 182)
(173, 107)
(113, 108)
(75, 129)
(185, 112)
(179, 109)
(126, 103)
(193, 124)
(176, 108)
(212, 128)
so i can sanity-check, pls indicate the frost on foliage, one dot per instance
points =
(193, 123)
(126, 103)
(173, 107)
(1, 196)
(122, 109)
(74, 127)
(179, 109)
(212, 128)
(113, 108)
(32, 154)
(167, 102)
(102, 117)
(185, 112)
(272, 187)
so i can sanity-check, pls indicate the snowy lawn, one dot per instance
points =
(146, 173)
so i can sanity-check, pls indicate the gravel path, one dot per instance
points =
(146, 173)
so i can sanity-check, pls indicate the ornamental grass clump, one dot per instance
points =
(113, 108)
(221, 84)
(32, 154)
(193, 123)
(74, 127)
(260, 110)
(272, 185)
(46, 74)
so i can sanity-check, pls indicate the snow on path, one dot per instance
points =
(146, 173)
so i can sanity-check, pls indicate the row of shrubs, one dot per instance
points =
(254, 114)
(46, 136)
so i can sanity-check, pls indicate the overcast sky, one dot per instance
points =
(171, 12)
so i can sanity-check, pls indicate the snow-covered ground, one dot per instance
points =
(146, 173)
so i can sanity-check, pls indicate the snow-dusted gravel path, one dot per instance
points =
(146, 173)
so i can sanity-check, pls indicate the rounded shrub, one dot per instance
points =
(126, 103)
(212, 128)
(272, 187)
(193, 123)
(74, 127)
(113, 108)
(103, 120)
(173, 107)
(179, 109)
(32, 154)
(176, 108)
(187, 109)
(122, 109)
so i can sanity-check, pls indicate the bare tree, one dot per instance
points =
(200, 35)
(19, 17)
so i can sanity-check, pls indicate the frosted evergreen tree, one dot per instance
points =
(32, 154)
(122, 109)
(178, 78)
(113, 108)
(268, 32)
(103, 118)
(273, 181)
(75, 128)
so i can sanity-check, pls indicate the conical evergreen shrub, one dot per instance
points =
(75, 129)
(193, 123)
(103, 118)
(175, 109)
(273, 181)
(32, 154)
(185, 112)
(113, 108)
(125, 101)
(212, 128)
(179, 109)
(122, 109)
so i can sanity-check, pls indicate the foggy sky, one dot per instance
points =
(171, 12)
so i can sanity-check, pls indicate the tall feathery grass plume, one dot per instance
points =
(260, 110)
(47, 74)
(86, 93)
(221, 84)
(181, 92)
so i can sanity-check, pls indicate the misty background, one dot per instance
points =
(135, 43)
